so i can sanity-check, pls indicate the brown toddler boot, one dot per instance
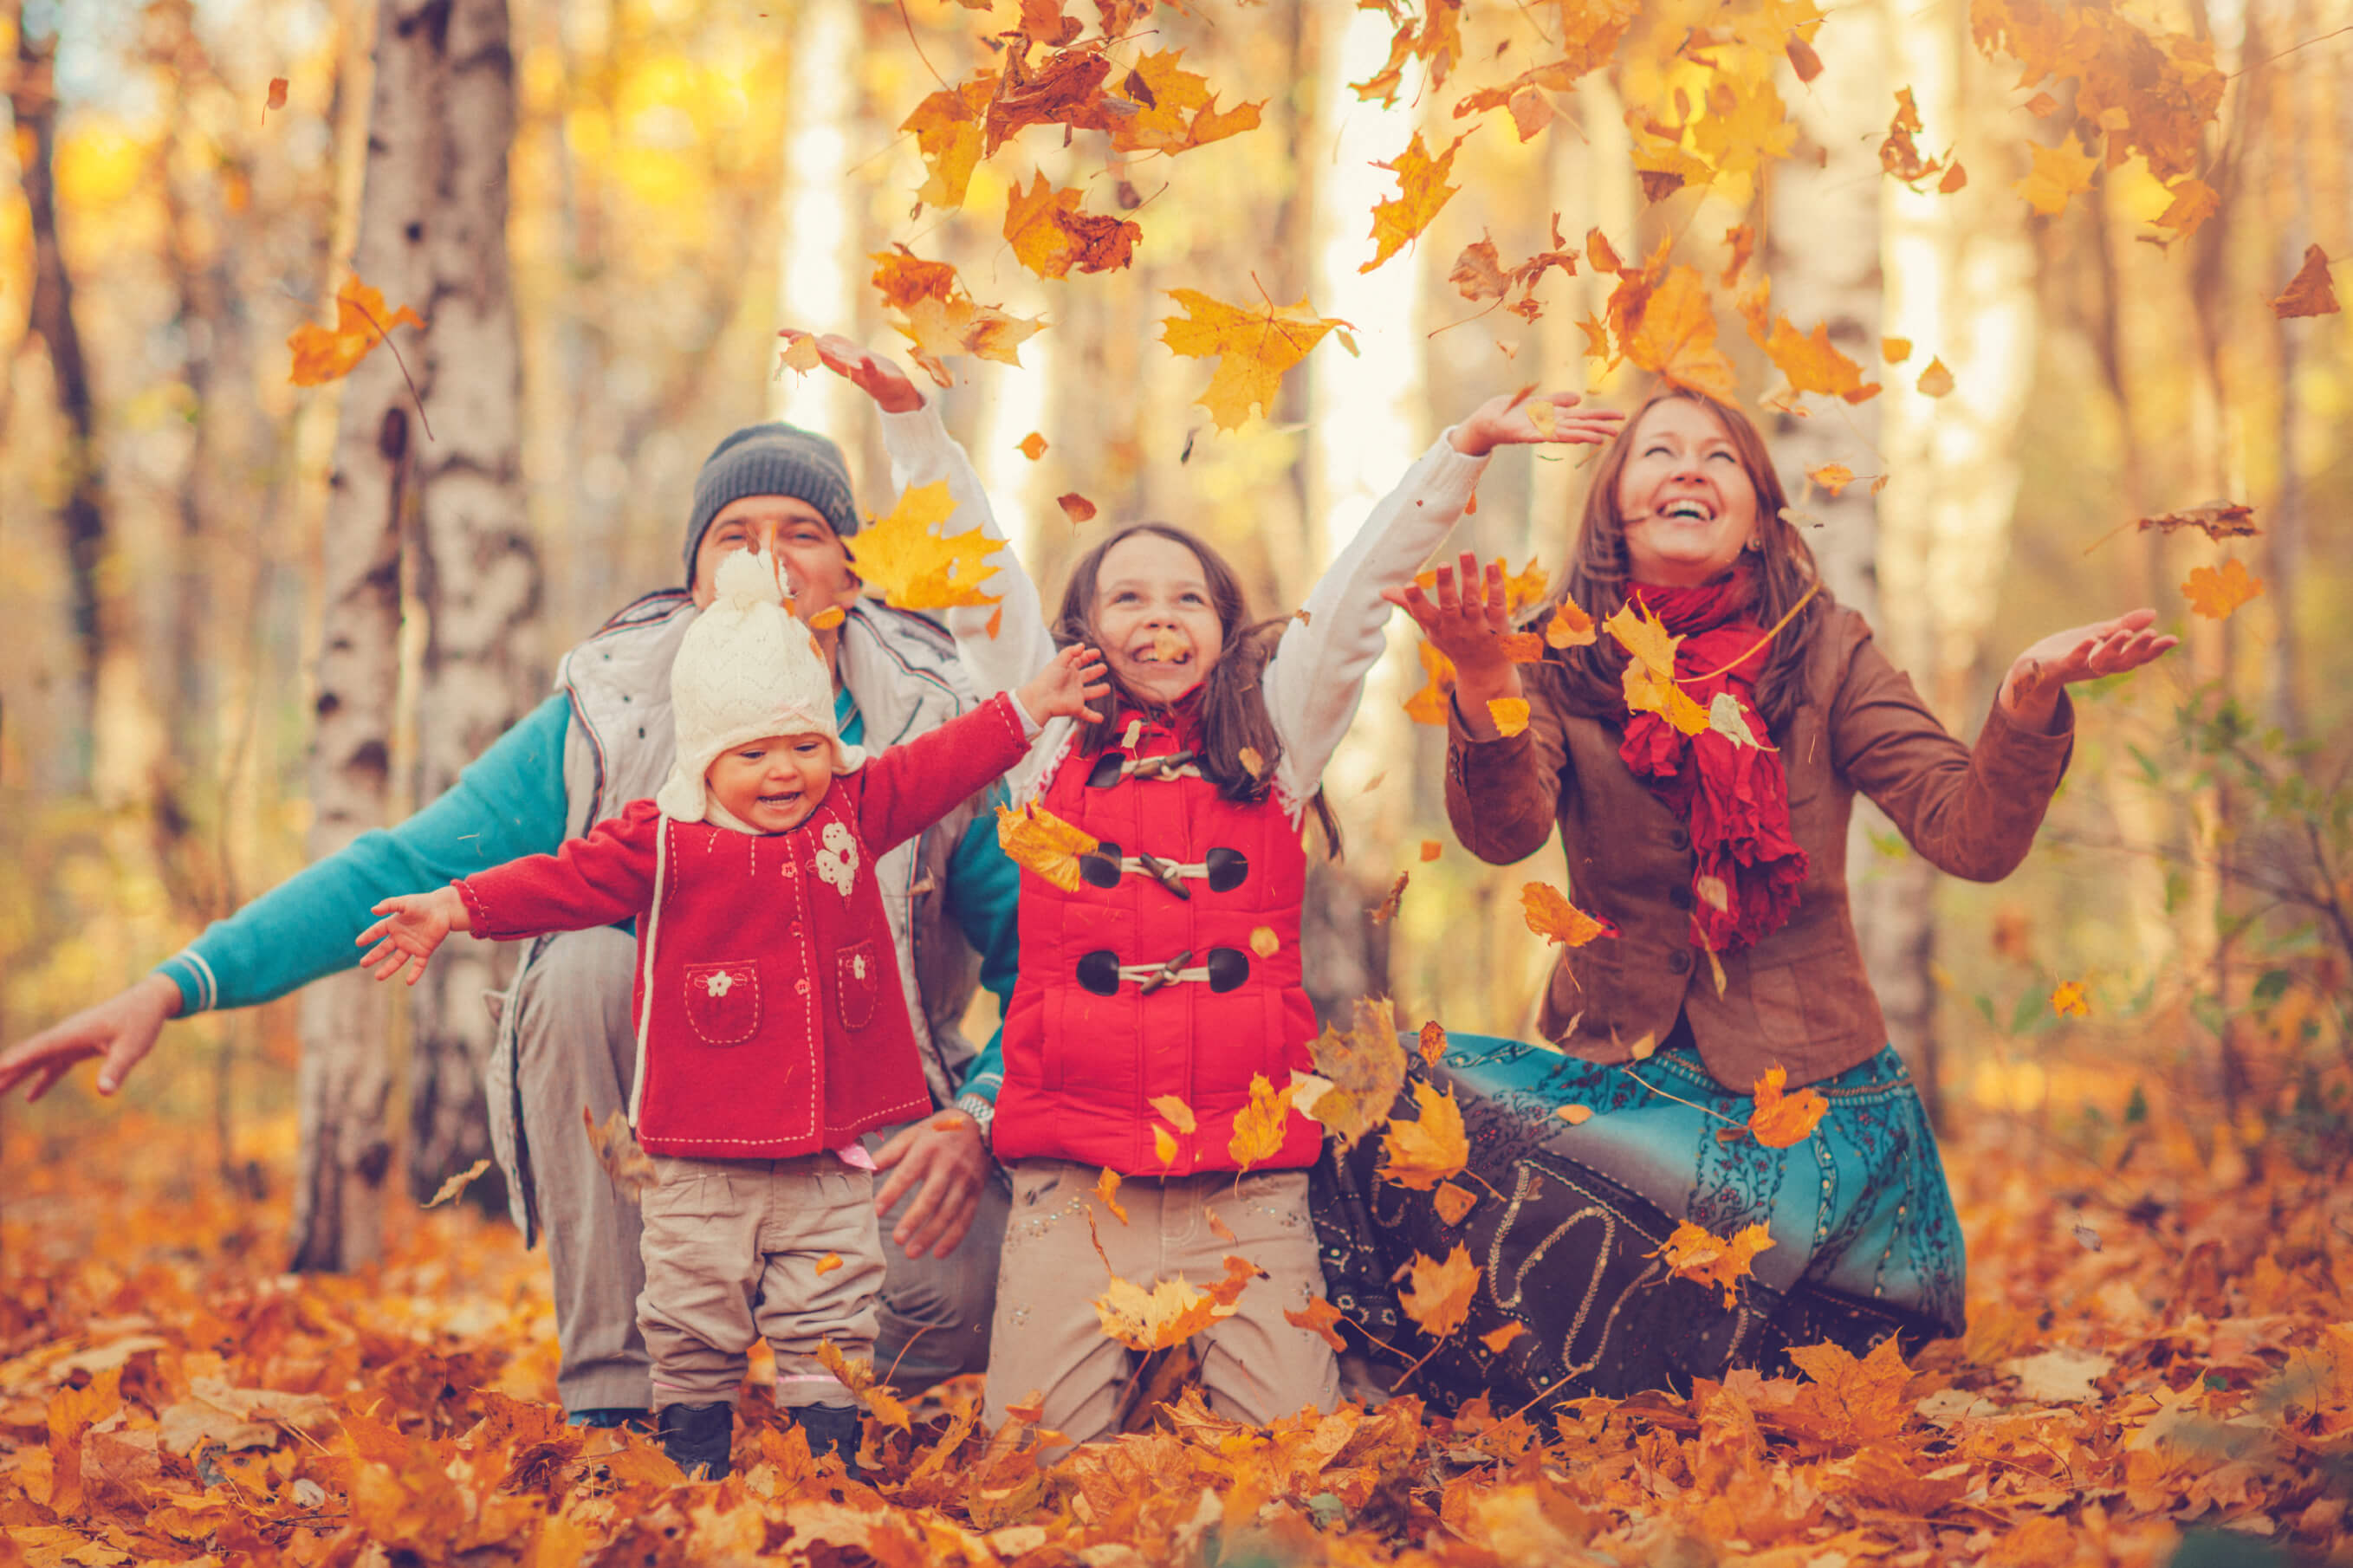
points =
(831, 1431)
(696, 1438)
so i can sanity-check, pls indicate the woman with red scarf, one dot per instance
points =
(1718, 861)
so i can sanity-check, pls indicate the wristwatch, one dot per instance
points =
(982, 1109)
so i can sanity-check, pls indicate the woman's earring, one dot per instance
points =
(1755, 544)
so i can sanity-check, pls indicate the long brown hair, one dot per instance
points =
(1232, 706)
(1599, 570)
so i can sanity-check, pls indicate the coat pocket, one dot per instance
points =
(856, 982)
(722, 1000)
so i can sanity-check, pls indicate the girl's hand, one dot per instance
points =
(1467, 624)
(2030, 695)
(876, 376)
(414, 925)
(1518, 419)
(1064, 688)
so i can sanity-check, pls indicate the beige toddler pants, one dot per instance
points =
(736, 1249)
(1048, 1340)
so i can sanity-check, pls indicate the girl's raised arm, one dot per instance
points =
(1316, 678)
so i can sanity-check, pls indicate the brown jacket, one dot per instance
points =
(1798, 999)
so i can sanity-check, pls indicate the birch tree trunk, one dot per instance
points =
(477, 568)
(431, 235)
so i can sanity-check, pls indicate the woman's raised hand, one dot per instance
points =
(1465, 619)
(874, 374)
(1519, 418)
(414, 925)
(2031, 692)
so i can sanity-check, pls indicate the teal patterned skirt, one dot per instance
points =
(1568, 1220)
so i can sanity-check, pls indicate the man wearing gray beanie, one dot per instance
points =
(567, 1039)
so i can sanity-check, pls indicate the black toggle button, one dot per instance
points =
(1106, 771)
(1228, 967)
(1099, 867)
(1680, 960)
(1099, 972)
(1227, 868)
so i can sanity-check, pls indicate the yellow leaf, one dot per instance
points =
(1264, 943)
(2070, 1001)
(1677, 337)
(1895, 351)
(828, 618)
(1164, 1147)
(1367, 1066)
(1510, 714)
(1570, 626)
(1424, 1152)
(2215, 594)
(1725, 717)
(1177, 111)
(1036, 838)
(1049, 235)
(322, 354)
(1575, 1115)
(1697, 1255)
(1649, 680)
(1252, 763)
(1780, 1119)
(1032, 446)
(1935, 381)
(1254, 349)
(1169, 1314)
(1107, 1189)
(1423, 191)
(2058, 172)
(1640, 1049)
(457, 1183)
(947, 126)
(1550, 914)
(1179, 1114)
(800, 350)
(1831, 477)
(1260, 1127)
(916, 567)
(829, 1263)
(939, 328)
(1452, 1202)
(1437, 1293)
(1428, 706)
(857, 1376)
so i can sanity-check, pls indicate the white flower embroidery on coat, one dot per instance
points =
(719, 983)
(838, 861)
(857, 967)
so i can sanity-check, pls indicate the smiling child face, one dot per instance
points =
(775, 783)
(1156, 622)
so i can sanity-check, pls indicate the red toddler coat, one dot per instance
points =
(770, 1020)
(1087, 1050)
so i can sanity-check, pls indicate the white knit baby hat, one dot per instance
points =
(745, 668)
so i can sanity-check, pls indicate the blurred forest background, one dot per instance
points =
(685, 178)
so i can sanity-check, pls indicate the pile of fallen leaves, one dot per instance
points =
(2154, 1350)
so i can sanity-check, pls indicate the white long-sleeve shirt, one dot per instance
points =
(1315, 679)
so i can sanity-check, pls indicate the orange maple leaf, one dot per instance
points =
(2216, 594)
(1676, 338)
(1254, 349)
(1107, 1189)
(1051, 236)
(1321, 1318)
(1423, 191)
(2309, 293)
(1780, 1119)
(1169, 1314)
(1424, 1152)
(1438, 1294)
(1260, 1127)
(1697, 1255)
(1570, 626)
(1177, 110)
(947, 126)
(1550, 914)
(322, 354)
(857, 1376)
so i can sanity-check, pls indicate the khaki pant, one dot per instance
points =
(737, 1249)
(1048, 1339)
(577, 1049)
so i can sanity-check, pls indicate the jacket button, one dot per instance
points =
(1680, 960)
(1678, 839)
(1681, 898)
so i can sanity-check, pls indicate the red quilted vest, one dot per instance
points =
(1086, 1050)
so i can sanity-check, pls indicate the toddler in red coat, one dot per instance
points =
(771, 1030)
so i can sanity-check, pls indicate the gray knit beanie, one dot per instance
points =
(771, 461)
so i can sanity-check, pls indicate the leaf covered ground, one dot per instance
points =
(2160, 1350)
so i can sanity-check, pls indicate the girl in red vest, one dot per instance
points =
(1160, 969)
(772, 1029)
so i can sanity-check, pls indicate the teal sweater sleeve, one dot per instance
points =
(509, 803)
(984, 888)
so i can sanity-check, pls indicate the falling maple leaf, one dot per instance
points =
(1172, 1312)
(1260, 1126)
(1780, 1119)
(1032, 446)
(1076, 506)
(1510, 714)
(1421, 1154)
(2308, 292)
(1319, 1319)
(1431, 849)
(616, 1149)
(1436, 1295)
(322, 354)
(1697, 1255)
(2216, 520)
(456, 1183)
(1676, 337)
(1107, 1189)
(2058, 172)
(1452, 1203)
(800, 353)
(1385, 911)
(1895, 351)
(1035, 839)
(1423, 191)
(2216, 594)
(1899, 155)
(936, 329)
(1650, 677)
(1176, 111)
(1935, 381)
(857, 1376)
(1569, 627)
(947, 126)
(1831, 477)
(2069, 1000)
(1366, 1067)
(1550, 914)
(916, 565)
(1051, 236)
(1254, 349)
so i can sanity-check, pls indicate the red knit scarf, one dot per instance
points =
(1734, 799)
